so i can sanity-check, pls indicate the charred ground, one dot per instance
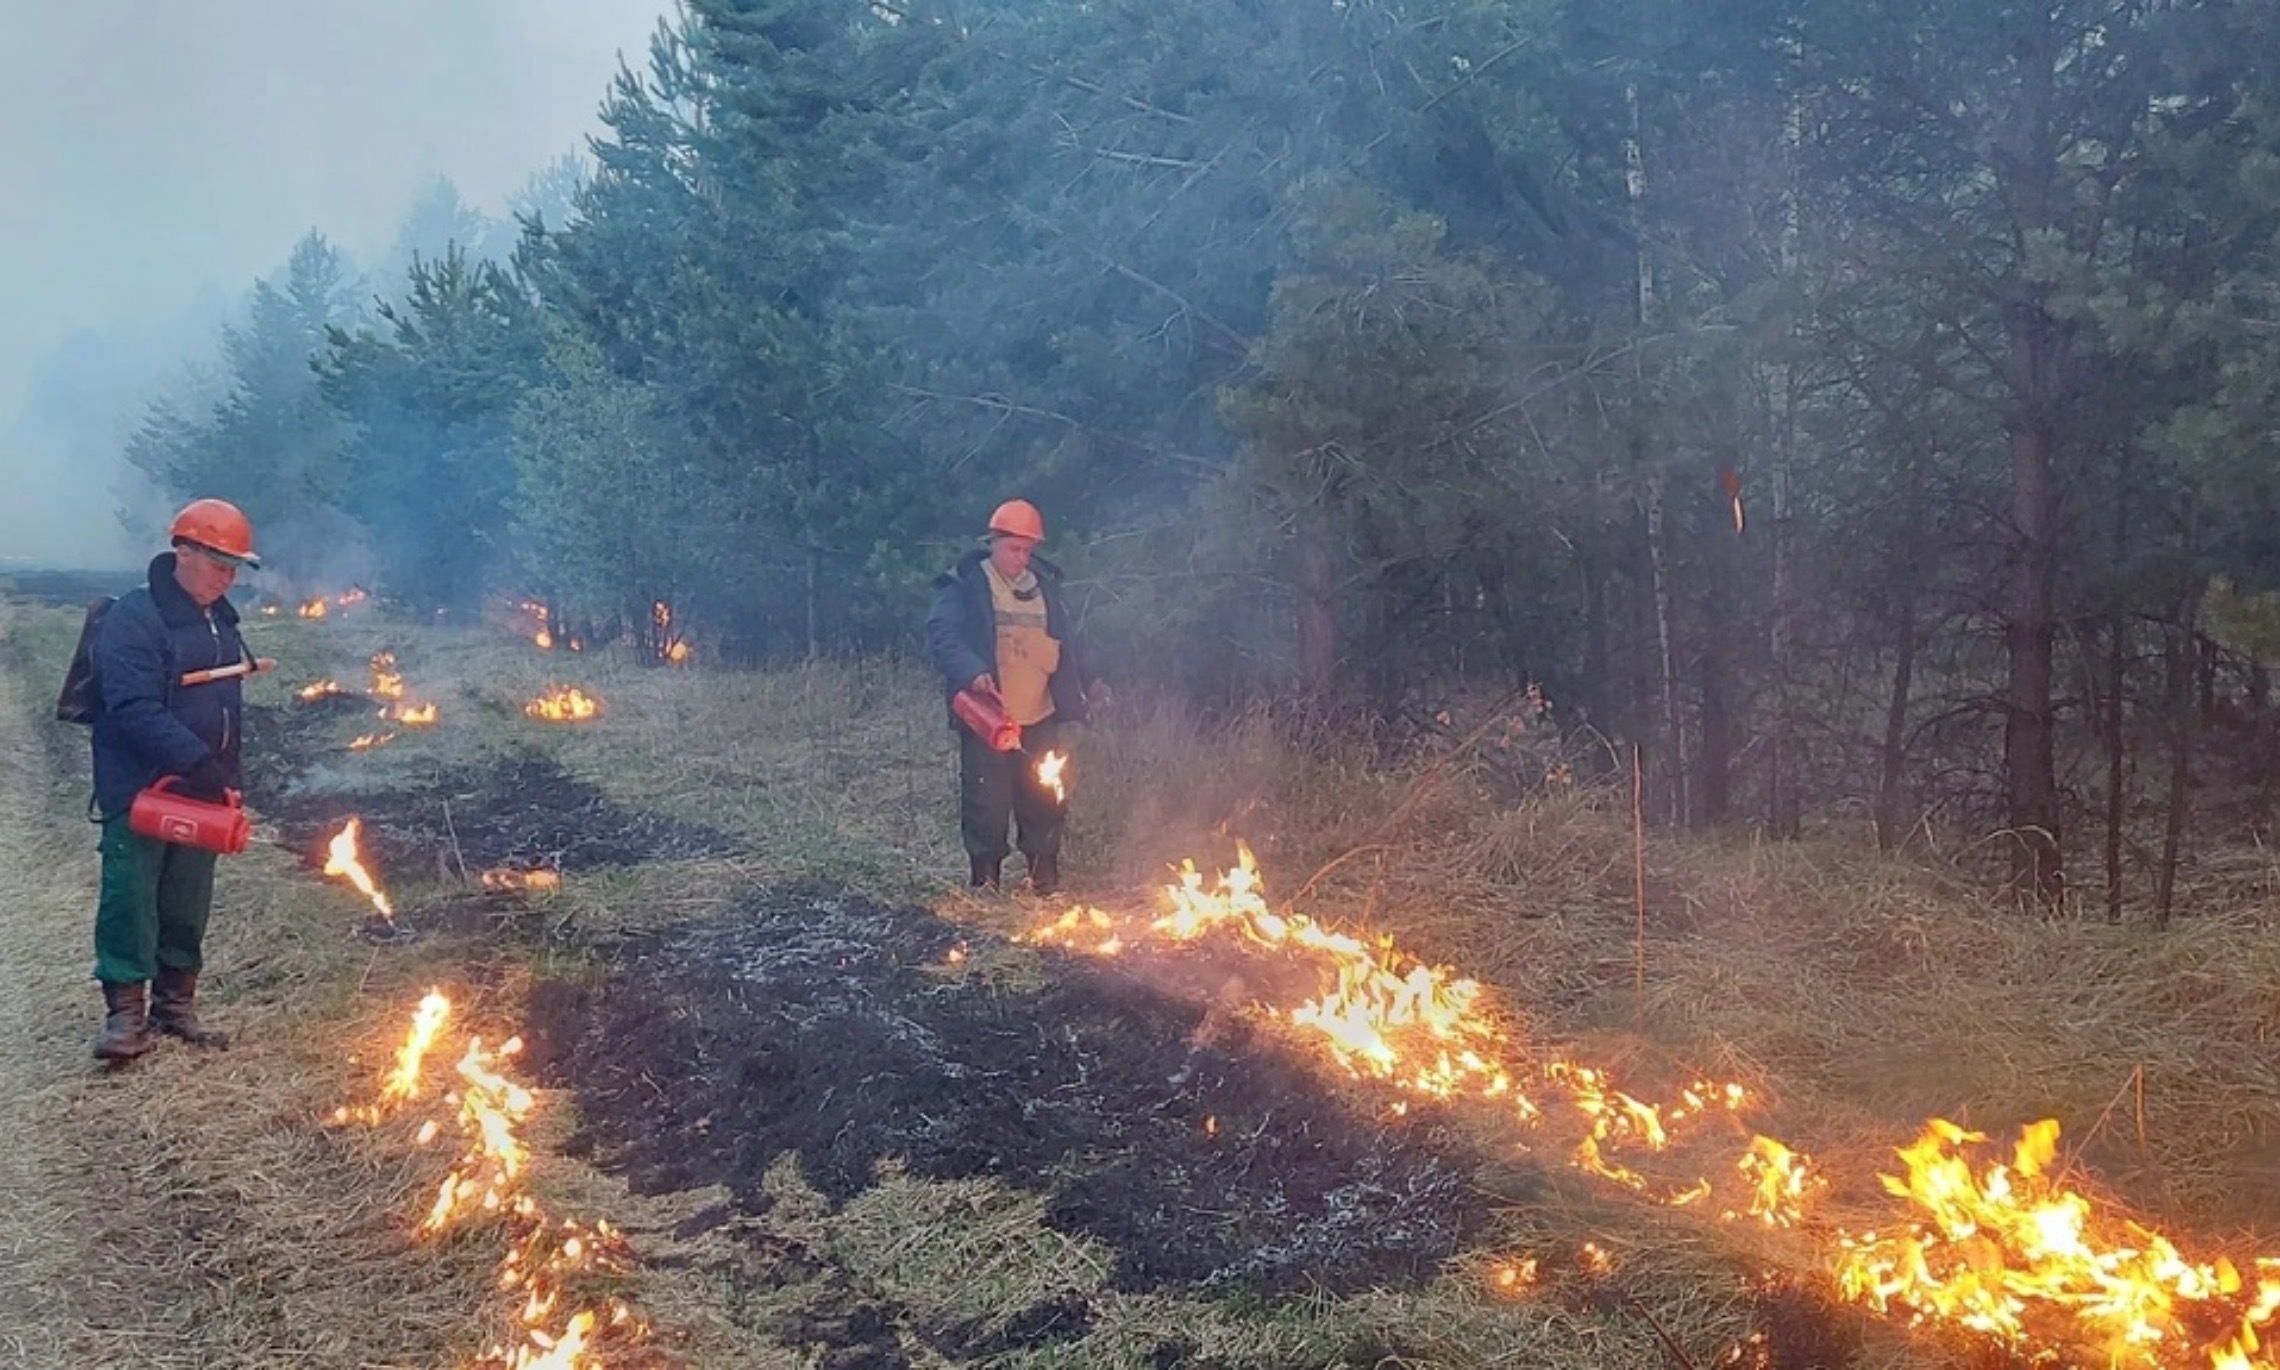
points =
(521, 810)
(832, 1028)
(1137, 1101)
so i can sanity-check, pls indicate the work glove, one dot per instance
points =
(206, 779)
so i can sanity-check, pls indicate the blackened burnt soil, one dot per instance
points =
(522, 811)
(826, 1027)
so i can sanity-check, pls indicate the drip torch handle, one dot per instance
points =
(229, 672)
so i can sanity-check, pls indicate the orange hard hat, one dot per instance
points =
(1019, 518)
(218, 526)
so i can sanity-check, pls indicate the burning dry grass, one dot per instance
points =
(1861, 995)
(186, 1213)
(1868, 994)
(191, 1210)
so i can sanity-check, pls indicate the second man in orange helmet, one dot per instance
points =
(1000, 628)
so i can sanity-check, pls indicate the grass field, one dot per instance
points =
(199, 1210)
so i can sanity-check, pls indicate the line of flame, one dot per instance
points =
(2004, 1251)
(544, 1255)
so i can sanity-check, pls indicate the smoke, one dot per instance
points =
(52, 519)
(189, 149)
(71, 500)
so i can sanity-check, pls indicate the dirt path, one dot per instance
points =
(46, 884)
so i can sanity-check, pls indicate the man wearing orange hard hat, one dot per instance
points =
(999, 631)
(149, 723)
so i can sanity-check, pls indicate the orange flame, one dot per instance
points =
(564, 704)
(1385, 1016)
(2003, 1249)
(2007, 1250)
(544, 1255)
(1381, 1016)
(315, 608)
(411, 715)
(507, 879)
(1514, 1276)
(354, 594)
(1049, 775)
(491, 1105)
(403, 1082)
(1780, 1182)
(540, 621)
(364, 742)
(323, 689)
(341, 860)
(386, 683)
(1378, 1005)
(671, 646)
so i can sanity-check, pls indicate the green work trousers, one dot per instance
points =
(994, 786)
(153, 905)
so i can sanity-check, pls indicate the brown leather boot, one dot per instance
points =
(173, 1010)
(126, 1031)
(983, 873)
(1045, 874)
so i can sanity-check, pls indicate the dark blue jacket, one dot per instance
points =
(150, 724)
(961, 633)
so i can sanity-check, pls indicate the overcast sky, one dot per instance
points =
(164, 151)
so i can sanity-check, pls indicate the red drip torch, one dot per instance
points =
(159, 812)
(988, 720)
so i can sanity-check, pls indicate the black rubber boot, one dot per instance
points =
(174, 1011)
(1044, 874)
(984, 873)
(126, 1028)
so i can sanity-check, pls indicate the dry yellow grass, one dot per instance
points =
(195, 1212)
(1857, 995)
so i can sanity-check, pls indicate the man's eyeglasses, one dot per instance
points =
(218, 558)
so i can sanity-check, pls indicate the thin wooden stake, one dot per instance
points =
(1639, 877)
(2145, 1148)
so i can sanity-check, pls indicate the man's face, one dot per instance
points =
(202, 575)
(1011, 554)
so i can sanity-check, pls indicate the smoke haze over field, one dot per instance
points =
(181, 150)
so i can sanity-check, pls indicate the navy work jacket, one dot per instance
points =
(961, 633)
(150, 723)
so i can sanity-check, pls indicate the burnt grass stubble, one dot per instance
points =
(1136, 1098)
(520, 812)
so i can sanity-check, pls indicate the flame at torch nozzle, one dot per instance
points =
(341, 860)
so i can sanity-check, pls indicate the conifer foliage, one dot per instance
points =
(1806, 393)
